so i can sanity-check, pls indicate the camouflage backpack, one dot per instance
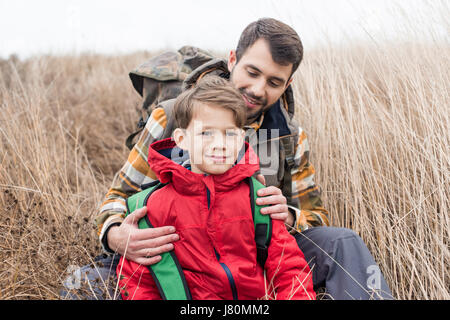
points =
(161, 78)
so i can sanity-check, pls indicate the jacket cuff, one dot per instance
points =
(115, 220)
(296, 213)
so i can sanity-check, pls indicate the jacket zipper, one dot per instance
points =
(223, 265)
(229, 276)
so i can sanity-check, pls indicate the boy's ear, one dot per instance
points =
(179, 136)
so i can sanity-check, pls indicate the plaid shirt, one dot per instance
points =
(136, 172)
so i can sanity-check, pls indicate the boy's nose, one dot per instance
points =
(218, 141)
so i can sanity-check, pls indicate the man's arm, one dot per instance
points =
(311, 212)
(134, 174)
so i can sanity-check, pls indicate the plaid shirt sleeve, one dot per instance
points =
(135, 173)
(310, 213)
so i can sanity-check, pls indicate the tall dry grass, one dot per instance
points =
(377, 117)
(63, 124)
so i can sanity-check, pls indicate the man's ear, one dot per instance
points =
(179, 136)
(232, 60)
(289, 82)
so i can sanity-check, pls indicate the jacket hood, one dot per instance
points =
(164, 157)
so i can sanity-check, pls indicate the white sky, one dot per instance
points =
(107, 26)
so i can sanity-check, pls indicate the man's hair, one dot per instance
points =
(285, 44)
(210, 90)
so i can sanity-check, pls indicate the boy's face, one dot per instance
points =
(212, 139)
(260, 79)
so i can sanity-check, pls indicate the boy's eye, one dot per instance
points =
(206, 133)
(231, 133)
(252, 74)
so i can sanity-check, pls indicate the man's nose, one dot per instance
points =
(258, 88)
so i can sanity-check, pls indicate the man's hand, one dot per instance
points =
(142, 246)
(278, 204)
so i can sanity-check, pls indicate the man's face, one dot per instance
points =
(260, 79)
(211, 138)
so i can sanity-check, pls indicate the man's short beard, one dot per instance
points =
(251, 117)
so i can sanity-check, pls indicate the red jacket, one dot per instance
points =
(217, 250)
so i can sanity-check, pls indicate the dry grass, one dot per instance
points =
(63, 124)
(378, 121)
(377, 117)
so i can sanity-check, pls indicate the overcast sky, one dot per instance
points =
(107, 26)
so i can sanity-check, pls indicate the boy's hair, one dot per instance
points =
(211, 90)
(285, 44)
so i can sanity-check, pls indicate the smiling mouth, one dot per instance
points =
(218, 159)
(252, 104)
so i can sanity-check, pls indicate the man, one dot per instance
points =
(261, 68)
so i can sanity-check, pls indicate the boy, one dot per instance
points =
(209, 206)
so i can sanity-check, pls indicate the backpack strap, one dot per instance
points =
(166, 273)
(263, 223)
(288, 145)
(140, 126)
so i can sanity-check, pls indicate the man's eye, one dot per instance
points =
(252, 74)
(274, 84)
(206, 133)
(231, 133)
